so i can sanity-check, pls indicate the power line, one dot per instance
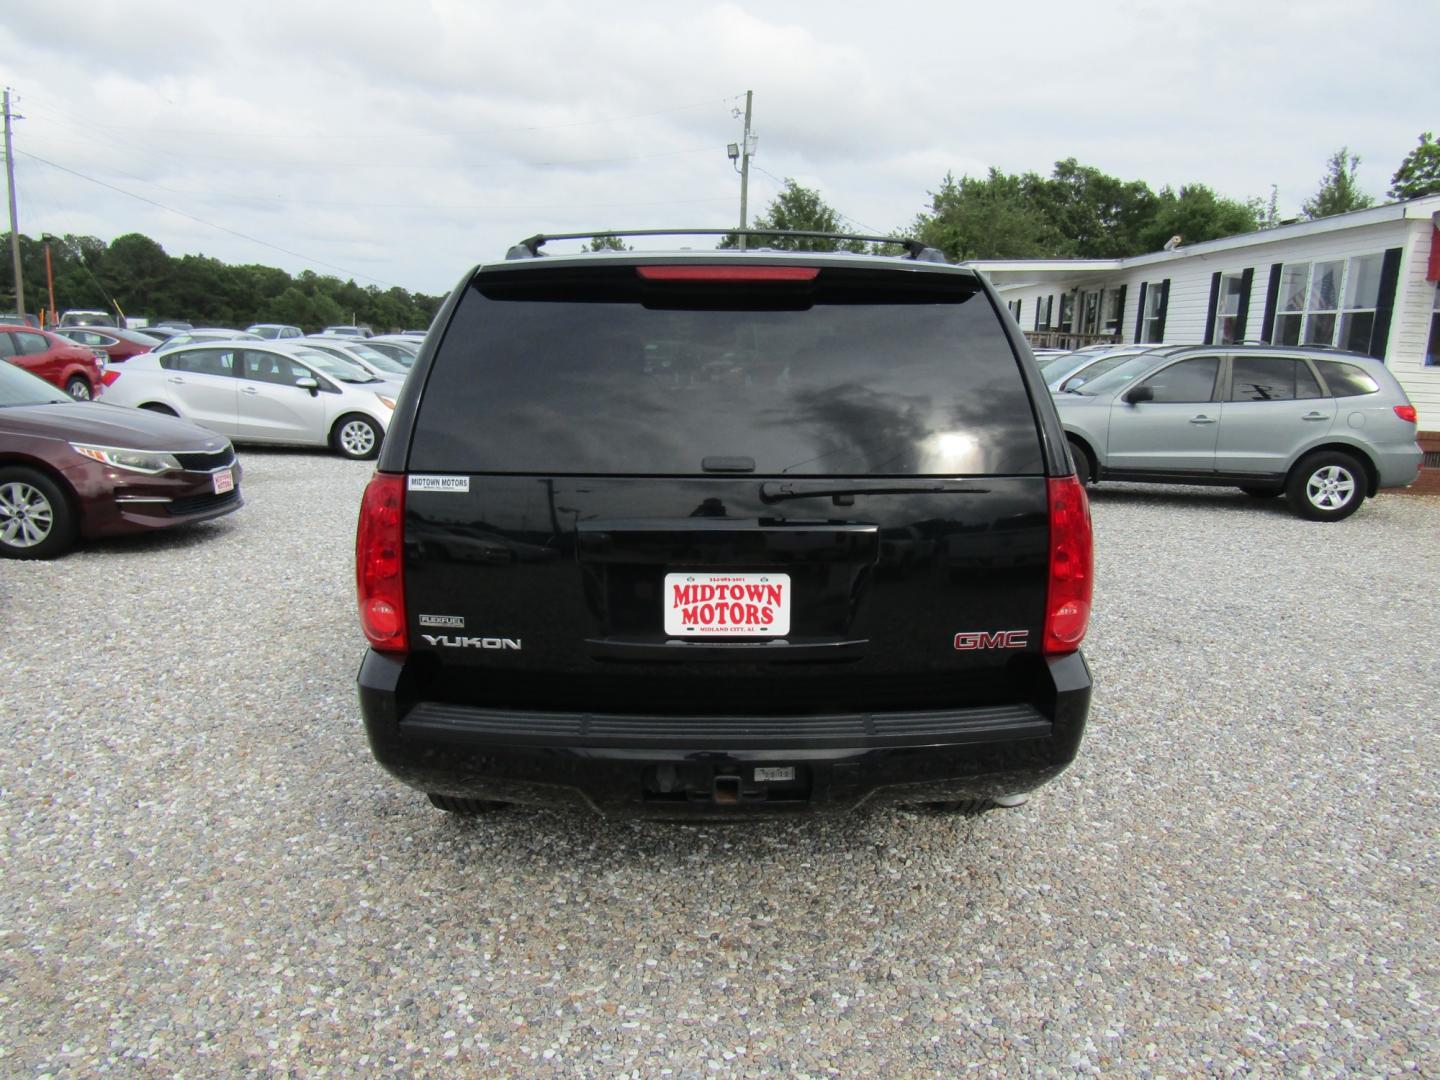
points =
(210, 224)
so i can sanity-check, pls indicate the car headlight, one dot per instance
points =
(141, 461)
(388, 402)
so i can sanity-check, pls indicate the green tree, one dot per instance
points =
(1339, 191)
(1419, 173)
(801, 209)
(1195, 213)
(991, 218)
(1102, 216)
(606, 242)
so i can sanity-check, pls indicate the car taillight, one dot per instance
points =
(109, 377)
(379, 567)
(1072, 566)
(1407, 413)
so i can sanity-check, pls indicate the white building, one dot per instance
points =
(1363, 281)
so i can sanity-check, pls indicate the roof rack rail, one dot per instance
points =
(914, 249)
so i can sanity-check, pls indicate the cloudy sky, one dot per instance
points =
(402, 143)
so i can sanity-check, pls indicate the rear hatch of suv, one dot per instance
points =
(778, 487)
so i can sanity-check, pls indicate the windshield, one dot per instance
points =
(335, 367)
(375, 358)
(1056, 364)
(1092, 371)
(19, 387)
(1115, 378)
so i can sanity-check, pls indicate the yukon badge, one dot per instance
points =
(449, 642)
(1001, 639)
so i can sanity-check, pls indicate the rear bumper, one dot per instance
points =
(709, 766)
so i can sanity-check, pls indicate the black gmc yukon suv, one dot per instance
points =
(723, 533)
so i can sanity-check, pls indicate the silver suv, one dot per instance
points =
(1323, 428)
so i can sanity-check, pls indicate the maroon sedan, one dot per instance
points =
(72, 470)
(77, 370)
(117, 344)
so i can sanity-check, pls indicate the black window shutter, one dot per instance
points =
(1018, 305)
(1272, 300)
(1247, 279)
(1214, 306)
(1164, 307)
(1385, 305)
(1140, 314)
(1120, 313)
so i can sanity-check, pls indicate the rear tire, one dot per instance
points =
(156, 407)
(79, 388)
(954, 807)
(36, 518)
(452, 804)
(356, 437)
(1328, 486)
(1084, 467)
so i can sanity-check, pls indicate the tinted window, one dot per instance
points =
(1271, 378)
(1189, 380)
(31, 344)
(857, 372)
(1346, 380)
(200, 361)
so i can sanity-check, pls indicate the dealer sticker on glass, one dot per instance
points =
(727, 605)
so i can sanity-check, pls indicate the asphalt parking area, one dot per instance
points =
(205, 873)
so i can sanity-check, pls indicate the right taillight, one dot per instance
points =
(1407, 413)
(1072, 566)
(379, 567)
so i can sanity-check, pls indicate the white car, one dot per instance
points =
(263, 392)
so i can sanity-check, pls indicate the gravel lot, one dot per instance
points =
(205, 873)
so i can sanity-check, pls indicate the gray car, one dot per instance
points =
(359, 353)
(1325, 429)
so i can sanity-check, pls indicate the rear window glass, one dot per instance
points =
(858, 372)
(1346, 380)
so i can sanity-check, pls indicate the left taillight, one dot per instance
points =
(379, 566)
(1407, 413)
(1072, 566)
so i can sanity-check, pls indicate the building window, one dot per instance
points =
(1153, 319)
(1090, 312)
(1067, 312)
(1043, 305)
(1227, 309)
(1329, 303)
(1114, 303)
(1432, 350)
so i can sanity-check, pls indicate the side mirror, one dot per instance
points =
(308, 384)
(1139, 394)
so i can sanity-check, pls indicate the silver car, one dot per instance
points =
(1072, 369)
(359, 353)
(1323, 428)
(267, 392)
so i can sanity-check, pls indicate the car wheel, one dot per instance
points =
(79, 389)
(1084, 467)
(464, 807)
(1327, 486)
(156, 407)
(36, 520)
(1261, 492)
(357, 437)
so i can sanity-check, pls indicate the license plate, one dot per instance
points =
(224, 481)
(727, 605)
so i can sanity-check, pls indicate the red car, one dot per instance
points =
(116, 344)
(73, 368)
(72, 470)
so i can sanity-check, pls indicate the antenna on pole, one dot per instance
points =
(14, 225)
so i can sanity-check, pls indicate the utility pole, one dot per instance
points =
(14, 223)
(744, 172)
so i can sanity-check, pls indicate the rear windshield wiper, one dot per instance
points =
(774, 491)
